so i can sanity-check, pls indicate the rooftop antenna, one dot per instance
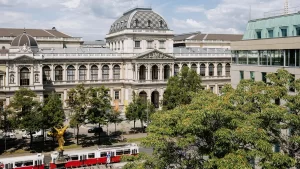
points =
(286, 7)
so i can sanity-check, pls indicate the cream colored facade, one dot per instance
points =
(135, 60)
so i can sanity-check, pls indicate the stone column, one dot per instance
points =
(215, 69)
(223, 69)
(122, 96)
(161, 72)
(207, 87)
(7, 76)
(65, 98)
(100, 72)
(148, 72)
(41, 74)
(216, 89)
(198, 68)
(189, 65)
(88, 73)
(206, 69)
(17, 77)
(110, 71)
(64, 72)
(76, 73)
(136, 72)
(31, 76)
(52, 75)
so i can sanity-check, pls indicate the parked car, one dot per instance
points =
(9, 135)
(95, 130)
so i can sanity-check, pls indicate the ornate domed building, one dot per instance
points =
(139, 56)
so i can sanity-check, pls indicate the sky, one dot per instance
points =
(91, 19)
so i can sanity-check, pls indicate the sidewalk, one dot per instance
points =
(130, 136)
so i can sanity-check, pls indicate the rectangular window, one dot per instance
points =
(283, 32)
(117, 95)
(127, 151)
(270, 33)
(119, 152)
(137, 44)
(74, 157)
(253, 57)
(277, 57)
(264, 77)
(297, 31)
(241, 75)
(258, 34)
(212, 89)
(82, 74)
(252, 76)
(242, 57)
(103, 154)
(220, 89)
(149, 44)
(277, 147)
(162, 44)
(91, 155)
(263, 57)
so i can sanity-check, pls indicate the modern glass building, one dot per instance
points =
(268, 44)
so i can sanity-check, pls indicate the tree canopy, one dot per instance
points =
(27, 113)
(180, 88)
(238, 129)
(138, 109)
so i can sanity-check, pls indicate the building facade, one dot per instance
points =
(268, 44)
(138, 57)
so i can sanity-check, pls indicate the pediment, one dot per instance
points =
(24, 58)
(155, 55)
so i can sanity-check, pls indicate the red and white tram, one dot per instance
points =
(23, 162)
(78, 158)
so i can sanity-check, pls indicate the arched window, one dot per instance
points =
(194, 67)
(219, 69)
(82, 72)
(166, 72)
(184, 65)
(161, 23)
(149, 23)
(227, 69)
(116, 72)
(58, 73)
(154, 72)
(25, 76)
(176, 69)
(70, 73)
(202, 69)
(142, 73)
(94, 72)
(46, 74)
(211, 69)
(105, 72)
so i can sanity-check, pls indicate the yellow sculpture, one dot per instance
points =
(60, 136)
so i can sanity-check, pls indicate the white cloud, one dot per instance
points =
(231, 16)
(71, 4)
(190, 9)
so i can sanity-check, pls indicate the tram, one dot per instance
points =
(74, 158)
(23, 162)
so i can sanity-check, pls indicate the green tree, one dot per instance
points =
(138, 108)
(27, 112)
(230, 130)
(114, 117)
(52, 111)
(79, 103)
(100, 106)
(180, 88)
